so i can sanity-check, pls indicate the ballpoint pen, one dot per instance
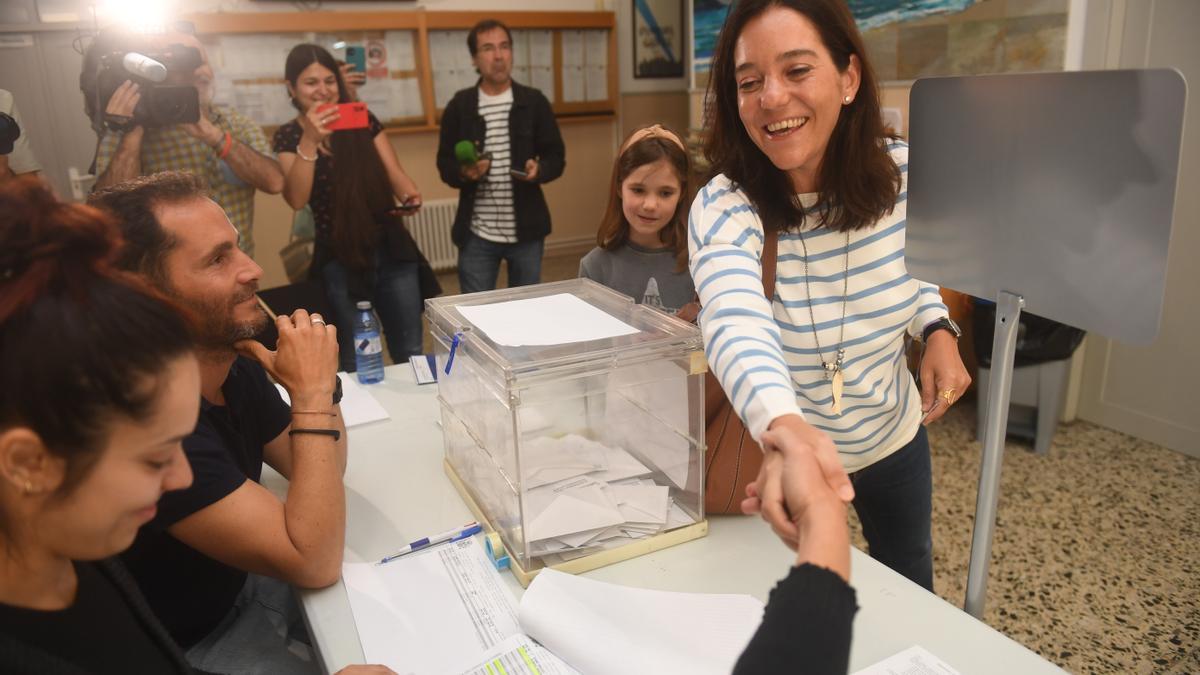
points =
(468, 530)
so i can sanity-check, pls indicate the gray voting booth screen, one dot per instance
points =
(1057, 187)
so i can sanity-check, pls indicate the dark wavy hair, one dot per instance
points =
(859, 182)
(81, 343)
(133, 203)
(361, 191)
(613, 232)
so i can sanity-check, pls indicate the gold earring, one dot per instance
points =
(28, 487)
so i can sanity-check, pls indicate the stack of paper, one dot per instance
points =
(583, 496)
(446, 610)
(606, 628)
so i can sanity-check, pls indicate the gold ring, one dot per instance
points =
(947, 395)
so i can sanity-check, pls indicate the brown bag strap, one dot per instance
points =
(770, 256)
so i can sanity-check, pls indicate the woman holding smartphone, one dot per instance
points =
(356, 188)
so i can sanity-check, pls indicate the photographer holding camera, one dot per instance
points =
(16, 157)
(168, 132)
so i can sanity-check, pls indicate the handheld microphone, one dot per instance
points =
(465, 152)
(144, 66)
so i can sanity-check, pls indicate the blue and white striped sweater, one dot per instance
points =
(764, 354)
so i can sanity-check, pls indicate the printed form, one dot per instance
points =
(433, 611)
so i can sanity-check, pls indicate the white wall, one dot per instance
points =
(1148, 391)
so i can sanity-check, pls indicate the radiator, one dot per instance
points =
(431, 228)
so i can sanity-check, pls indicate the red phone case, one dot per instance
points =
(350, 116)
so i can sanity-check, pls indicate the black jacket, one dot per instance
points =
(533, 133)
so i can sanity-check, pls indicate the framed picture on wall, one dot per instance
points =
(658, 38)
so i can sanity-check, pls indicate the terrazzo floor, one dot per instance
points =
(1096, 557)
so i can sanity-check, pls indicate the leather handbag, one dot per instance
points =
(734, 458)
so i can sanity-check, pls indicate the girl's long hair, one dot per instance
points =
(361, 191)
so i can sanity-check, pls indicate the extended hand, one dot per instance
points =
(205, 131)
(315, 123)
(353, 80)
(944, 378)
(305, 362)
(477, 170)
(531, 170)
(123, 102)
(769, 495)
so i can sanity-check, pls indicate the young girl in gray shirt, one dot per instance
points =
(641, 249)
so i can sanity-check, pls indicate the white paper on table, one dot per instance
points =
(518, 655)
(358, 405)
(606, 628)
(915, 660)
(433, 611)
(556, 319)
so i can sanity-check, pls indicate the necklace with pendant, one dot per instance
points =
(833, 369)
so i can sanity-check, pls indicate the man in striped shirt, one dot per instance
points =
(502, 213)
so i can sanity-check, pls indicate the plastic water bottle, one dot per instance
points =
(368, 348)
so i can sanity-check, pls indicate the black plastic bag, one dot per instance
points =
(1039, 339)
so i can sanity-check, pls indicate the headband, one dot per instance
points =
(652, 131)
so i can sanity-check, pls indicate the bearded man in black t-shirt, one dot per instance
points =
(216, 562)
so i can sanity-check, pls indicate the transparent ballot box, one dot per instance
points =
(573, 421)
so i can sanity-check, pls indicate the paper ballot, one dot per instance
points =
(549, 320)
(446, 610)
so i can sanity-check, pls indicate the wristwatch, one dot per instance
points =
(944, 323)
(337, 390)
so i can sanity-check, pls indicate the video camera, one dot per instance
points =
(107, 67)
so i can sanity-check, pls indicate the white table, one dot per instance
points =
(396, 491)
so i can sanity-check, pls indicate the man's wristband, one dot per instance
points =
(334, 433)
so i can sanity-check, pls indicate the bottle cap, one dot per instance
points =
(364, 304)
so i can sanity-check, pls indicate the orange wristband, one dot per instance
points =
(226, 146)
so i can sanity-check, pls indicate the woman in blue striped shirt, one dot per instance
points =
(800, 150)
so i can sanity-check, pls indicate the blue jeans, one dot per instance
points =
(394, 290)
(479, 263)
(893, 498)
(263, 633)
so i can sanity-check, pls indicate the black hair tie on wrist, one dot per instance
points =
(337, 435)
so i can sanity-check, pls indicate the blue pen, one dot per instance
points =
(468, 530)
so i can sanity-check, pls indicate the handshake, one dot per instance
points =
(802, 491)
